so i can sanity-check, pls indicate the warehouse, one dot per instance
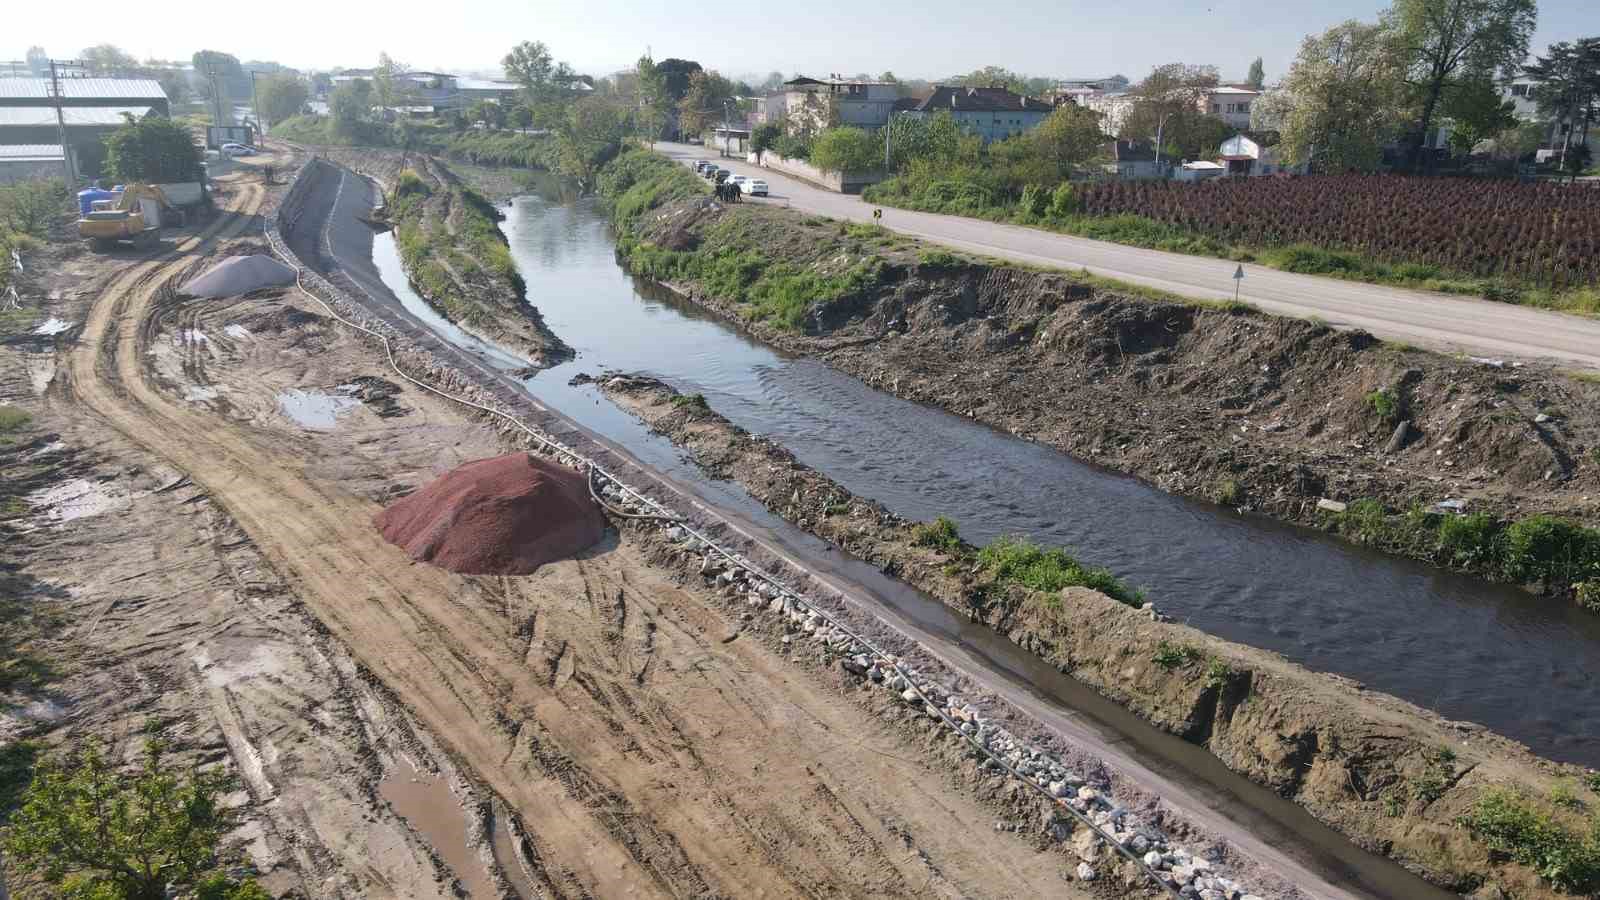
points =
(91, 109)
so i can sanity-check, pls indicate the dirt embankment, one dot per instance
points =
(1394, 778)
(454, 254)
(1252, 411)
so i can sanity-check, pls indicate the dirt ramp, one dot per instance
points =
(503, 516)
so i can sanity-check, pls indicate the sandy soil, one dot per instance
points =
(593, 730)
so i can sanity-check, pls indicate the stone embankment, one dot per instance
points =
(1396, 779)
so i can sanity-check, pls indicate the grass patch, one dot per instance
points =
(691, 401)
(1226, 492)
(1217, 674)
(13, 420)
(1384, 403)
(17, 761)
(1015, 560)
(1563, 855)
(1170, 656)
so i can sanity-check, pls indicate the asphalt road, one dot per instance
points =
(1437, 321)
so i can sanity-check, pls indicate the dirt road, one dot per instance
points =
(1436, 321)
(641, 750)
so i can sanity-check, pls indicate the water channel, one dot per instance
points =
(1521, 665)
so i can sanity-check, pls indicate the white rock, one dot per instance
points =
(909, 696)
(1085, 872)
(1059, 789)
(1153, 859)
(1088, 794)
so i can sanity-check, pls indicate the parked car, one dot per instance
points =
(723, 175)
(238, 149)
(755, 187)
(700, 165)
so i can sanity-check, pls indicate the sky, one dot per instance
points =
(927, 39)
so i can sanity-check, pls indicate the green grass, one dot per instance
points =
(1015, 560)
(1384, 403)
(691, 401)
(1226, 492)
(1217, 674)
(1565, 856)
(13, 420)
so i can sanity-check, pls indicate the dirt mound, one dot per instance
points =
(240, 275)
(503, 516)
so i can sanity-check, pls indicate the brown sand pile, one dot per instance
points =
(503, 516)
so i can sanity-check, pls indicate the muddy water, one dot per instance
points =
(424, 800)
(1485, 653)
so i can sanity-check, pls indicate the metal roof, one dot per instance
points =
(84, 88)
(485, 84)
(35, 116)
(30, 152)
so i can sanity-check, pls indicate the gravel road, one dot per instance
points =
(1437, 321)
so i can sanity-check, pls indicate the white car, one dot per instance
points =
(238, 149)
(755, 187)
(741, 181)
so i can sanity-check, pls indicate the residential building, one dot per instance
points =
(1230, 103)
(1112, 107)
(993, 113)
(812, 102)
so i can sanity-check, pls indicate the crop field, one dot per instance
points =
(1541, 234)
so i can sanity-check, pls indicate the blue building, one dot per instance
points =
(992, 113)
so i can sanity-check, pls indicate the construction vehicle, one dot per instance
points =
(133, 215)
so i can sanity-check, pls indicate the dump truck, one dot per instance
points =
(132, 216)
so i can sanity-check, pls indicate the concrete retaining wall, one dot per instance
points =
(843, 182)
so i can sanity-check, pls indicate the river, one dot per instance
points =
(1521, 665)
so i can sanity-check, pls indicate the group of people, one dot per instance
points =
(728, 192)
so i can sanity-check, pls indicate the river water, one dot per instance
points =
(1523, 666)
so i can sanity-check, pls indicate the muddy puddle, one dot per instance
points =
(315, 409)
(424, 800)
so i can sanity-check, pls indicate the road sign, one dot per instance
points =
(1238, 273)
(1238, 278)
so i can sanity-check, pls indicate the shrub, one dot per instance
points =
(1384, 403)
(1587, 595)
(154, 149)
(1567, 859)
(940, 534)
(1470, 540)
(26, 209)
(691, 401)
(938, 259)
(1035, 201)
(1064, 200)
(1217, 674)
(410, 184)
(1226, 492)
(846, 150)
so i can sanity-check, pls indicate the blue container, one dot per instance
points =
(89, 196)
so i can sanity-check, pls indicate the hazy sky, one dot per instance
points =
(927, 39)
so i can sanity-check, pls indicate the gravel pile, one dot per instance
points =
(503, 516)
(238, 275)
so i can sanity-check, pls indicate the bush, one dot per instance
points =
(1170, 656)
(1035, 201)
(846, 150)
(27, 207)
(940, 534)
(1567, 859)
(1553, 550)
(1013, 560)
(1064, 201)
(102, 833)
(155, 150)
(1471, 540)
(1384, 403)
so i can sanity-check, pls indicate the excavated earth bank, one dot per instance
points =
(1392, 777)
(1226, 404)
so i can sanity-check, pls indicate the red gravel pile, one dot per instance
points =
(503, 516)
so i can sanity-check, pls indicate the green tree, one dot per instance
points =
(388, 88)
(653, 98)
(1568, 86)
(1171, 103)
(1477, 112)
(175, 84)
(765, 135)
(1342, 99)
(98, 833)
(520, 117)
(594, 132)
(281, 96)
(703, 104)
(108, 59)
(922, 137)
(153, 149)
(546, 84)
(490, 113)
(847, 150)
(1257, 79)
(1444, 43)
(994, 76)
(351, 106)
(1065, 140)
(676, 76)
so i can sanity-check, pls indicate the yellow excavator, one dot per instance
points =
(132, 216)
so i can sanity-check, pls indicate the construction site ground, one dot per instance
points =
(597, 729)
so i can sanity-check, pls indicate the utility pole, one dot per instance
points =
(61, 128)
(255, 103)
(886, 140)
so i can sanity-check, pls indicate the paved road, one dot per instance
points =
(1437, 321)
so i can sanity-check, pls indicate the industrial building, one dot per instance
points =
(90, 109)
